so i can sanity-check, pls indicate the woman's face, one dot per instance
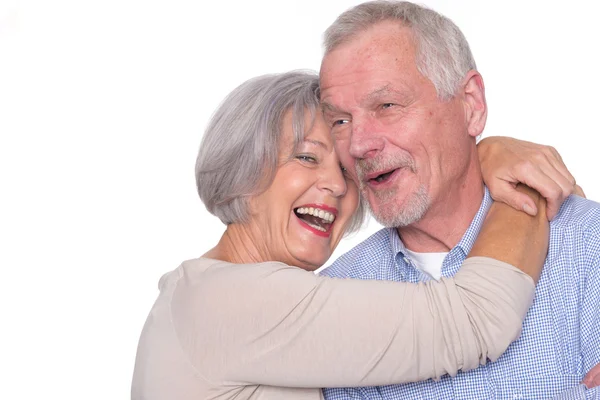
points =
(304, 213)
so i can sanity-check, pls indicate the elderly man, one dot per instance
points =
(400, 88)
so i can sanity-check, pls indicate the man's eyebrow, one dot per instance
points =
(384, 90)
(369, 97)
(329, 108)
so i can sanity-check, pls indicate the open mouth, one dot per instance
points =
(381, 178)
(316, 218)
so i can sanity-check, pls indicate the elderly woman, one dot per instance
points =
(249, 319)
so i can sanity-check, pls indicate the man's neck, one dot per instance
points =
(446, 222)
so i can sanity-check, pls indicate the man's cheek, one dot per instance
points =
(342, 147)
(351, 168)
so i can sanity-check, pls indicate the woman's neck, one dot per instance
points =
(238, 245)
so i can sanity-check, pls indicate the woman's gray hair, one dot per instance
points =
(239, 153)
(442, 52)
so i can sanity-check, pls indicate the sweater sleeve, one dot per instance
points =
(278, 325)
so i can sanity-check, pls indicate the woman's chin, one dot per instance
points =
(312, 262)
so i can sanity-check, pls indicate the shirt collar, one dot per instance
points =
(466, 242)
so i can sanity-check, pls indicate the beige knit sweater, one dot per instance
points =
(270, 331)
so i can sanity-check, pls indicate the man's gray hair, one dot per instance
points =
(239, 153)
(442, 52)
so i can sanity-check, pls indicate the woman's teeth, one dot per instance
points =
(324, 215)
(317, 227)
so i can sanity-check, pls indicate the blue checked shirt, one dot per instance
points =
(560, 340)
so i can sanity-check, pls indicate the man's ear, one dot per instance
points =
(474, 102)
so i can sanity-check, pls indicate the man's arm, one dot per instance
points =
(590, 315)
(589, 321)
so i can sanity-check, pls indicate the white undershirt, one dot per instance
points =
(428, 263)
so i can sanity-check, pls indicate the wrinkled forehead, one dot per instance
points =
(386, 41)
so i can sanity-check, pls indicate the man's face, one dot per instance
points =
(404, 146)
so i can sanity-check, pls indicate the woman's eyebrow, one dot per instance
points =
(316, 143)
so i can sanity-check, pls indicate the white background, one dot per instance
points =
(102, 108)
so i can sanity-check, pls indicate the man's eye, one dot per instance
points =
(338, 122)
(387, 105)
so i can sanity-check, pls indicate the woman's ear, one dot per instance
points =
(252, 205)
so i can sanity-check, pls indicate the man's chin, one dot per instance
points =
(393, 215)
(397, 220)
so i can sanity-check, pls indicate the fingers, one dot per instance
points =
(535, 178)
(555, 153)
(565, 183)
(592, 379)
(579, 191)
(550, 163)
(505, 192)
(506, 162)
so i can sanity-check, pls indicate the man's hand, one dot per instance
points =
(506, 161)
(592, 379)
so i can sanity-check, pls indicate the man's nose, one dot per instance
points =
(365, 140)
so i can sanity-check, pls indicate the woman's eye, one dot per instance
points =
(305, 158)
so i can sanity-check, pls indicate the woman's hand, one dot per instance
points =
(506, 161)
